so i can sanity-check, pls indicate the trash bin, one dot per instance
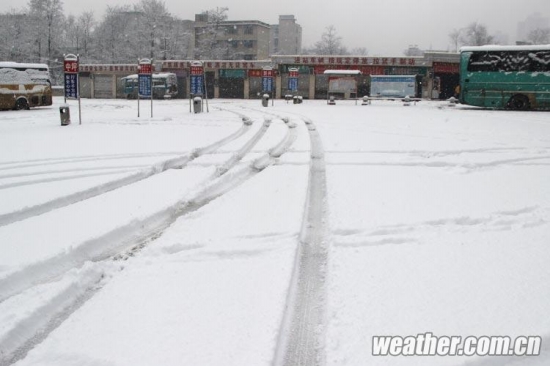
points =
(197, 104)
(265, 100)
(65, 115)
(332, 100)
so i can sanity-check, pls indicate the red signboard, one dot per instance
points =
(446, 68)
(293, 73)
(70, 66)
(254, 73)
(363, 61)
(145, 69)
(268, 73)
(196, 70)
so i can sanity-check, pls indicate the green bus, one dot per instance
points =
(505, 77)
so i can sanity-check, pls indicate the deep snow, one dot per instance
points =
(436, 219)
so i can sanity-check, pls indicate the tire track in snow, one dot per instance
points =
(301, 336)
(175, 163)
(102, 247)
(20, 164)
(130, 240)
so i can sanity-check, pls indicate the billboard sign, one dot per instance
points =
(197, 78)
(145, 78)
(267, 79)
(70, 68)
(293, 79)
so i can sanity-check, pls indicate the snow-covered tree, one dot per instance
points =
(15, 38)
(86, 23)
(115, 36)
(47, 19)
(209, 45)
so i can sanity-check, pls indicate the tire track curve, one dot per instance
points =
(174, 163)
(131, 240)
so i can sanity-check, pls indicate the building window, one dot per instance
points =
(248, 29)
(248, 44)
(232, 29)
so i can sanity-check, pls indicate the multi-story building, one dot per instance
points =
(286, 37)
(231, 40)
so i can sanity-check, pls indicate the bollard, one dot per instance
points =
(366, 100)
(407, 101)
(65, 115)
(332, 101)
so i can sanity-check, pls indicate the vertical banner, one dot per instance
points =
(145, 75)
(267, 79)
(72, 89)
(197, 84)
(293, 79)
(145, 81)
(197, 79)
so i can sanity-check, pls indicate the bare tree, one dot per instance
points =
(476, 34)
(330, 43)
(455, 37)
(539, 36)
(86, 23)
(359, 51)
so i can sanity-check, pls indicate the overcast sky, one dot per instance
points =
(384, 27)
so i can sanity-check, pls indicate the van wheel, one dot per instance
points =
(21, 104)
(519, 102)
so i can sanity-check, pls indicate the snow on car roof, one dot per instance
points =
(159, 75)
(13, 76)
(9, 64)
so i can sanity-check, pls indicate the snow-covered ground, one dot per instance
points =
(287, 235)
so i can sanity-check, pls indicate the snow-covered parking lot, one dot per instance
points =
(204, 239)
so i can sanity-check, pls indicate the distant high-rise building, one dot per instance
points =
(533, 22)
(286, 37)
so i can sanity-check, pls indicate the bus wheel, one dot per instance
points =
(21, 104)
(519, 102)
